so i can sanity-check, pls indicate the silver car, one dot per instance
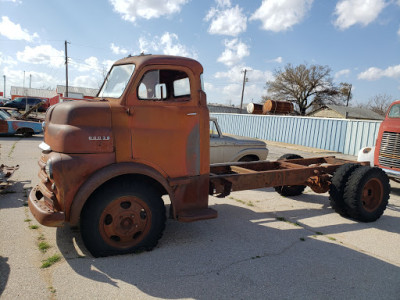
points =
(234, 148)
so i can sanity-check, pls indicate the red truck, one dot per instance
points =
(386, 153)
(106, 162)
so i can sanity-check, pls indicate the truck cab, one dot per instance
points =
(145, 135)
(386, 153)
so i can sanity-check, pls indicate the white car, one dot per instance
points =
(234, 148)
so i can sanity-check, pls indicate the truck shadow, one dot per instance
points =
(4, 273)
(14, 195)
(243, 254)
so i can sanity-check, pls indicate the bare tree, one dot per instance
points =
(306, 86)
(380, 103)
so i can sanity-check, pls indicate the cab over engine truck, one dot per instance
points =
(106, 162)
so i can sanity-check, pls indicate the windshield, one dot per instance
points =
(116, 81)
(394, 111)
(4, 115)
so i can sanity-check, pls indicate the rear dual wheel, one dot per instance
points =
(359, 192)
(122, 217)
(367, 193)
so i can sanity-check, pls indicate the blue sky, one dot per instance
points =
(358, 39)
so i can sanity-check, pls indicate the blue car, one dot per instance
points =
(9, 125)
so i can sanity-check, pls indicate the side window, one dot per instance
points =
(164, 85)
(213, 130)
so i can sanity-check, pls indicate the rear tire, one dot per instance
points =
(367, 194)
(337, 187)
(290, 190)
(122, 217)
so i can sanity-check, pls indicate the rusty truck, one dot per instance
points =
(107, 162)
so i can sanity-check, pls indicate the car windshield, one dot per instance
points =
(394, 111)
(4, 115)
(116, 81)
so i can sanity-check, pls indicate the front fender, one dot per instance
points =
(104, 175)
(366, 154)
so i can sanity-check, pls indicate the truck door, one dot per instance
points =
(165, 121)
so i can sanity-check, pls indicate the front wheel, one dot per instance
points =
(367, 193)
(122, 217)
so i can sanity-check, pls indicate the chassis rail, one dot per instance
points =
(313, 172)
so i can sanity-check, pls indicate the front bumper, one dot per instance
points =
(392, 173)
(42, 212)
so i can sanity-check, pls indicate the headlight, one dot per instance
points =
(49, 168)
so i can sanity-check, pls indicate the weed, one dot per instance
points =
(302, 239)
(12, 149)
(331, 238)
(41, 237)
(43, 246)
(319, 233)
(34, 227)
(27, 220)
(50, 261)
(52, 290)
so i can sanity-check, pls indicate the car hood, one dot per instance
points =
(244, 141)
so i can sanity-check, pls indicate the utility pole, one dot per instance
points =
(244, 83)
(4, 76)
(30, 80)
(66, 70)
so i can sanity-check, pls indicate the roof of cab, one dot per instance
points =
(149, 59)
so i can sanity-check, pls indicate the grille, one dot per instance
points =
(389, 153)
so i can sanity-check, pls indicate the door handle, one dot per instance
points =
(191, 114)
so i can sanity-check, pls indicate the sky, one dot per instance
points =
(358, 39)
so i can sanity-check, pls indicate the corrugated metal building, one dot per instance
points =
(17, 91)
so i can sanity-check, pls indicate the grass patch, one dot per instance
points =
(282, 219)
(43, 246)
(50, 261)
(331, 238)
(41, 237)
(27, 220)
(319, 233)
(12, 149)
(34, 227)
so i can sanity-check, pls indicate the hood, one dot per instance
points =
(242, 141)
(79, 126)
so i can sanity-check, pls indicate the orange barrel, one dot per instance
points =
(277, 107)
(255, 109)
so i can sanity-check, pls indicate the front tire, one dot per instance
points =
(367, 194)
(122, 217)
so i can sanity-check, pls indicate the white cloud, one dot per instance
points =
(281, 15)
(118, 50)
(341, 73)
(234, 52)
(89, 64)
(14, 31)
(44, 54)
(226, 20)
(39, 79)
(7, 60)
(352, 12)
(398, 32)
(86, 81)
(374, 73)
(278, 60)
(168, 44)
(235, 74)
(133, 9)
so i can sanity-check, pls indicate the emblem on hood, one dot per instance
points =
(99, 138)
